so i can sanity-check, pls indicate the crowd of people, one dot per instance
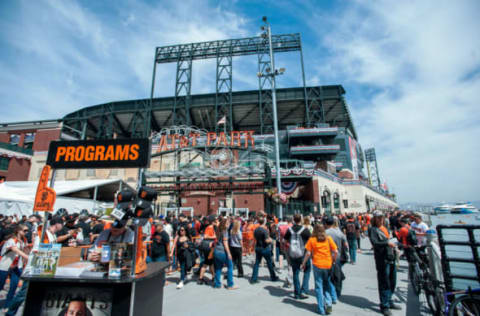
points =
(195, 245)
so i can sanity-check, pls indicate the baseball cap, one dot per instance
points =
(124, 198)
(147, 194)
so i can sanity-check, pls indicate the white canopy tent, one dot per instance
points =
(16, 197)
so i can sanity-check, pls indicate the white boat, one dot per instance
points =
(442, 209)
(464, 208)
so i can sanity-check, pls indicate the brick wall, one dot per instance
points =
(18, 170)
(254, 202)
(208, 204)
(44, 137)
(4, 138)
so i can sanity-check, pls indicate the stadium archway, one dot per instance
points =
(211, 172)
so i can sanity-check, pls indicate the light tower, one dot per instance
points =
(372, 167)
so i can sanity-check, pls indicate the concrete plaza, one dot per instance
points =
(359, 296)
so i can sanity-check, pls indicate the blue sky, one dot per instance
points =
(411, 69)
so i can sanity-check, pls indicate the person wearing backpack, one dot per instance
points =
(350, 229)
(406, 236)
(297, 236)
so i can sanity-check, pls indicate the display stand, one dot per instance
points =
(138, 295)
(139, 292)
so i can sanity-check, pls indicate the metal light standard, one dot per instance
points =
(273, 73)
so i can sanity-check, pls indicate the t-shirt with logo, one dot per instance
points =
(321, 251)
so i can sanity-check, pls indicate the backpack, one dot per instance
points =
(412, 238)
(297, 248)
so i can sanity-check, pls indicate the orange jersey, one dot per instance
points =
(321, 252)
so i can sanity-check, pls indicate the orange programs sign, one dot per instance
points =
(45, 197)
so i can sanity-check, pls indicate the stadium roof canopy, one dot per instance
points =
(127, 119)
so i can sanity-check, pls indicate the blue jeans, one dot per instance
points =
(333, 291)
(183, 269)
(157, 259)
(322, 288)
(259, 254)
(296, 263)
(352, 245)
(220, 259)
(387, 280)
(18, 300)
(14, 278)
(277, 252)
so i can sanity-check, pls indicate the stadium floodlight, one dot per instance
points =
(268, 33)
(259, 74)
(281, 71)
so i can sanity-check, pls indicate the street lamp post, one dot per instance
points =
(273, 73)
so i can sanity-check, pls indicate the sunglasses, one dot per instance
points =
(25, 230)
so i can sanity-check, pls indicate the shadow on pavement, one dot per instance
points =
(299, 304)
(287, 298)
(360, 302)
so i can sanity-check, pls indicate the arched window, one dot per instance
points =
(326, 202)
(336, 202)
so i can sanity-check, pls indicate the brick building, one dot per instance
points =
(22, 143)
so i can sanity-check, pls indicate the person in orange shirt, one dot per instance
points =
(323, 250)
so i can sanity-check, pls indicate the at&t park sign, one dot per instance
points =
(173, 139)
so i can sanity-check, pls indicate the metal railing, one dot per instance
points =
(470, 244)
(17, 149)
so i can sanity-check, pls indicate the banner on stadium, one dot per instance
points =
(92, 154)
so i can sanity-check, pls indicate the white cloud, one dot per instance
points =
(68, 56)
(424, 119)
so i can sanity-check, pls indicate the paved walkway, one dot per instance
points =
(359, 296)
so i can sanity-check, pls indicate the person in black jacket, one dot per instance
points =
(384, 254)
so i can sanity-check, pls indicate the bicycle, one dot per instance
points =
(468, 304)
(422, 279)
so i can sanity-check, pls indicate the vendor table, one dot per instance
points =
(139, 295)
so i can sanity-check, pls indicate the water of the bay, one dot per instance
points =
(461, 268)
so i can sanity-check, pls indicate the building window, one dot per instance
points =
(14, 139)
(114, 172)
(90, 172)
(4, 161)
(28, 140)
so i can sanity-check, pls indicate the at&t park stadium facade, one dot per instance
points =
(215, 152)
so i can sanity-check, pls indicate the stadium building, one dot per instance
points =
(216, 152)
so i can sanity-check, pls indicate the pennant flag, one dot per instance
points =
(222, 120)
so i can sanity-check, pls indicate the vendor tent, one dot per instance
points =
(16, 197)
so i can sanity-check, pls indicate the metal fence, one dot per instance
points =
(459, 247)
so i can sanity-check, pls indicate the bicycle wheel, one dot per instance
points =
(434, 298)
(415, 275)
(465, 305)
